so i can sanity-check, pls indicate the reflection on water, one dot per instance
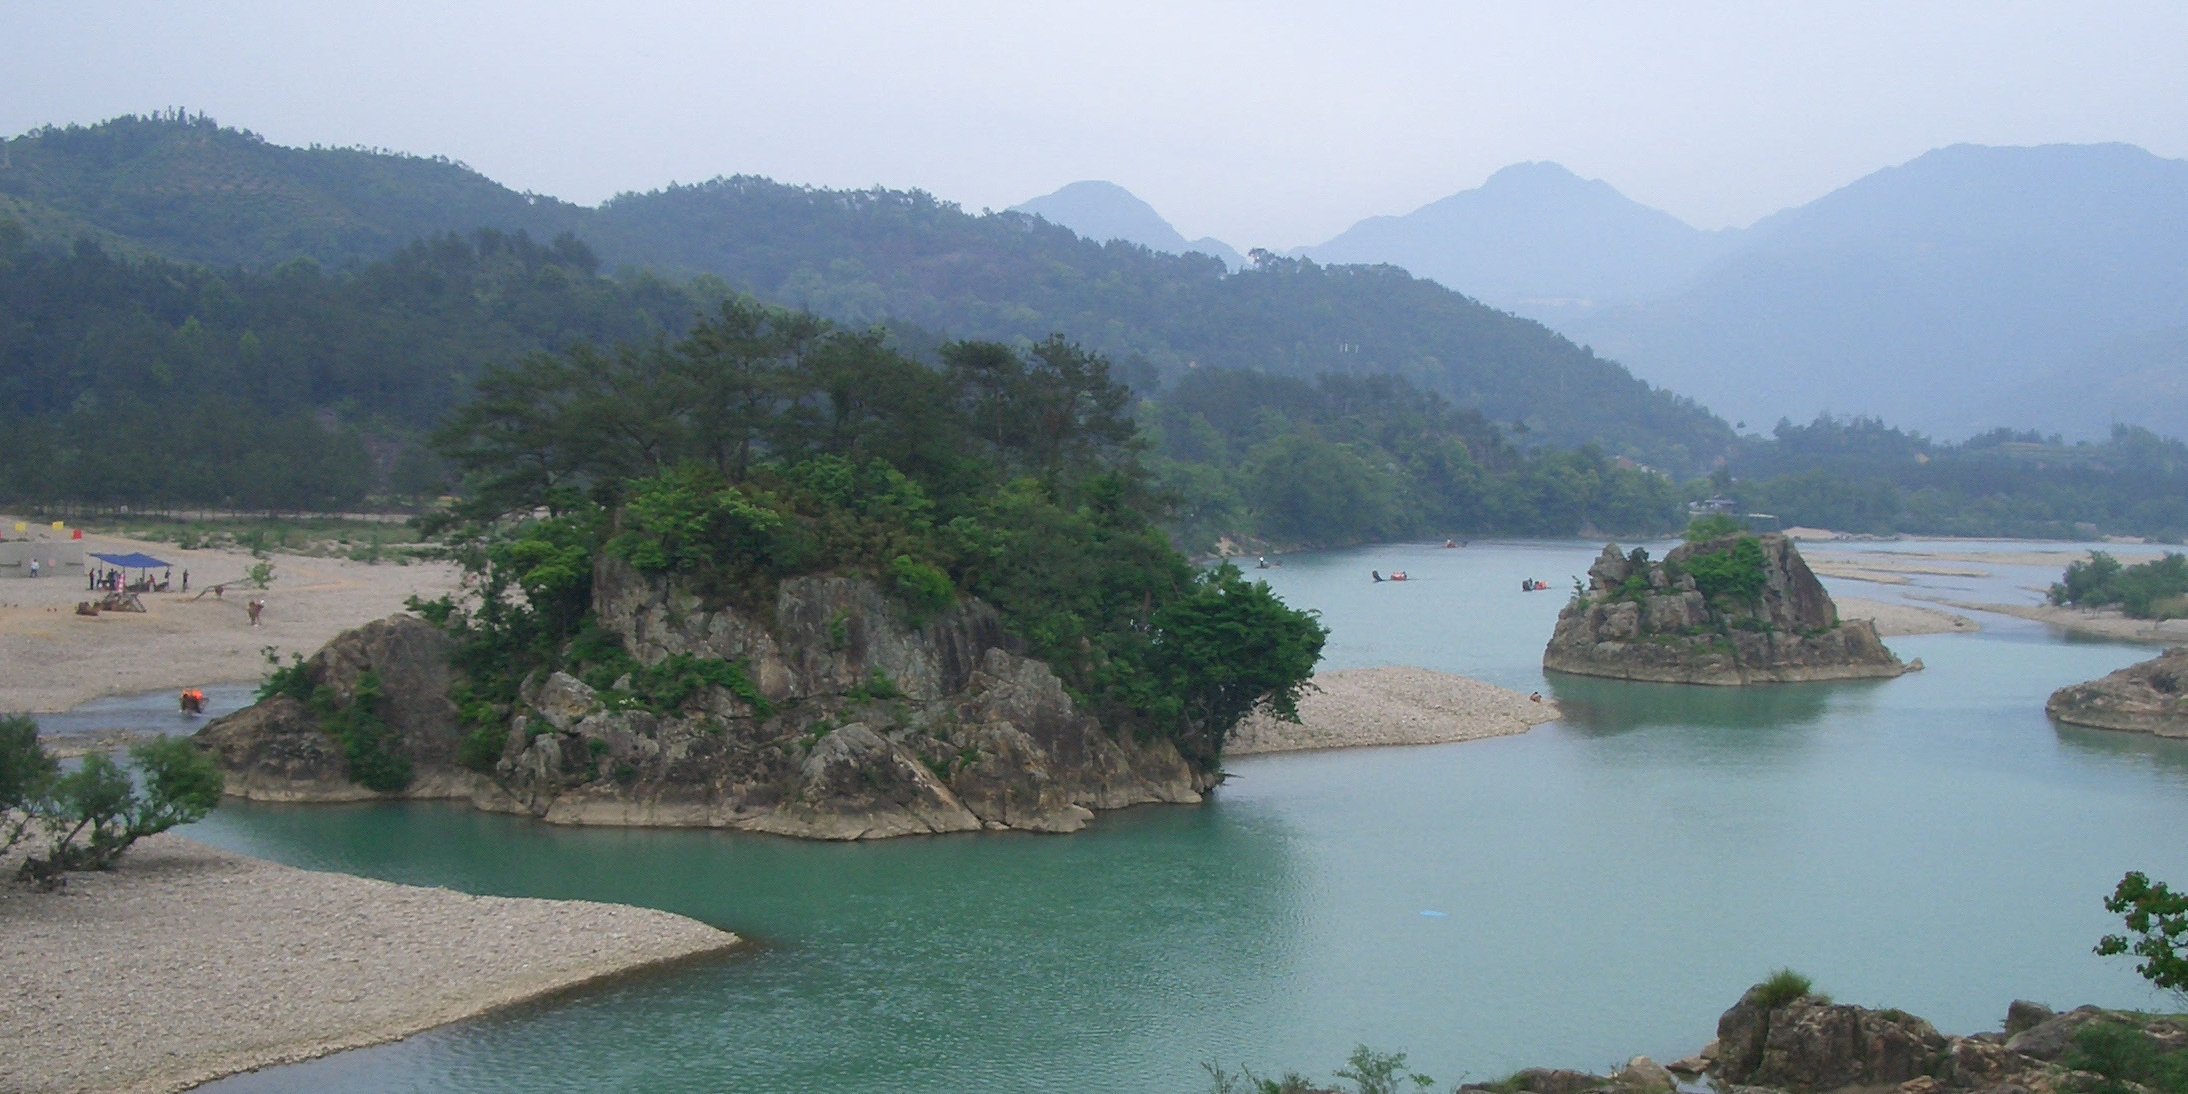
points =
(1608, 884)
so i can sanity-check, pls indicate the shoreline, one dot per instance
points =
(2090, 622)
(53, 660)
(1392, 705)
(188, 963)
(1896, 620)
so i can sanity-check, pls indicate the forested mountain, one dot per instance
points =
(290, 387)
(190, 189)
(185, 188)
(1539, 240)
(1102, 211)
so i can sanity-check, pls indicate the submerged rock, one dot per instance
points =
(2149, 697)
(1644, 620)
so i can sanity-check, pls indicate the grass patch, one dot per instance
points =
(1782, 987)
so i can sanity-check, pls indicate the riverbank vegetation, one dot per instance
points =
(2157, 589)
(87, 818)
(767, 445)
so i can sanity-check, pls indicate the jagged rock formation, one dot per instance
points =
(1809, 1044)
(278, 750)
(2150, 697)
(857, 725)
(1643, 620)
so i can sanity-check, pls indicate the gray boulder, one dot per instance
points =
(2147, 697)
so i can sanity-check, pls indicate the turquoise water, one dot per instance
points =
(1609, 883)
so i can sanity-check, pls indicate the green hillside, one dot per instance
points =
(189, 189)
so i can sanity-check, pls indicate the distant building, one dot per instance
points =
(1715, 503)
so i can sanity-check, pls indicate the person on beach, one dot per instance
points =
(254, 607)
(34, 567)
(186, 581)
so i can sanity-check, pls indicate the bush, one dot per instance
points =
(25, 773)
(924, 588)
(366, 740)
(1735, 573)
(2157, 589)
(2122, 1054)
(1782, 987)
(95, 813)
(1712, 526)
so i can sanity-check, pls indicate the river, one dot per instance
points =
(1601, 886)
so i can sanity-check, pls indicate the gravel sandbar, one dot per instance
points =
(1393, 706)
(2095, 622)
(1899, 620)
(188, 963)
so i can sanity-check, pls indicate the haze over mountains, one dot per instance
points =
(1968, 288)
(1103, 211)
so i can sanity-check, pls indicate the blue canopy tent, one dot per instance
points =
(131, 561)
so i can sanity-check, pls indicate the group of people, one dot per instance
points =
(114, 580)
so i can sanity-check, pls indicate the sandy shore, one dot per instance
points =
(2106, 623)
(1898, 620)
(1393, 706)
(52, 659)
(189, 963)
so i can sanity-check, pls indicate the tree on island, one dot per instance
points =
(91, 815)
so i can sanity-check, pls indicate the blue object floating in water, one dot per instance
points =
(1437, 915)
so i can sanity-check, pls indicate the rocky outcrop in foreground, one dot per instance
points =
(850, 723)
(2150, 697)
(1808, 1044)
(280, 750)
(1644, 620)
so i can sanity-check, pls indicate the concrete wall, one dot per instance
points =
(56, 557)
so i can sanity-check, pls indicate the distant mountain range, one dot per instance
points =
(1103, 211)
(188, 189)
(1968, 288)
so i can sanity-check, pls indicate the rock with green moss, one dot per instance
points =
(1736, 609)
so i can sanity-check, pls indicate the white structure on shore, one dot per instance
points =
(55, 557)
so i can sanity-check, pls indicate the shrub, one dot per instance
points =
(1704, 528)
(2157, 589)
(95, 813)
(1782, 987)
(25, 772)
(924, 588)
(1735, 573)
(2123, 1055)
(365, 738)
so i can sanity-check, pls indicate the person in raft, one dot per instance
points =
(193, 701)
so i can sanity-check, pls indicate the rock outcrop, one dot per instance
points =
(856, 724)
(279, 750)
(2150, 697)
(1808, 1045)
(1644, 620)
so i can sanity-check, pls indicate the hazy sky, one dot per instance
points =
(1272, 124)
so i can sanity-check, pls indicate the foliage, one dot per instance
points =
(26, 770)
(1782, 987)
(292, 679)
(2157, 917)
(766, 446)
(1710, 526)
(95, 813)
(2126, 1059)
(368, 742)
(1375, 1072)
(1226, 648)
(1858, 475)
(1734, 572)
(666, 685)
(1347, 459)
(2157, 589)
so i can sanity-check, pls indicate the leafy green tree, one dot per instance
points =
(26, 770)
(95, 813)
(1711, 526)
(2157, 917)
(1227, 648)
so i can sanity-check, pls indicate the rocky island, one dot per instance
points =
(2147, 697)
(1732, 609)
(841, 720)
